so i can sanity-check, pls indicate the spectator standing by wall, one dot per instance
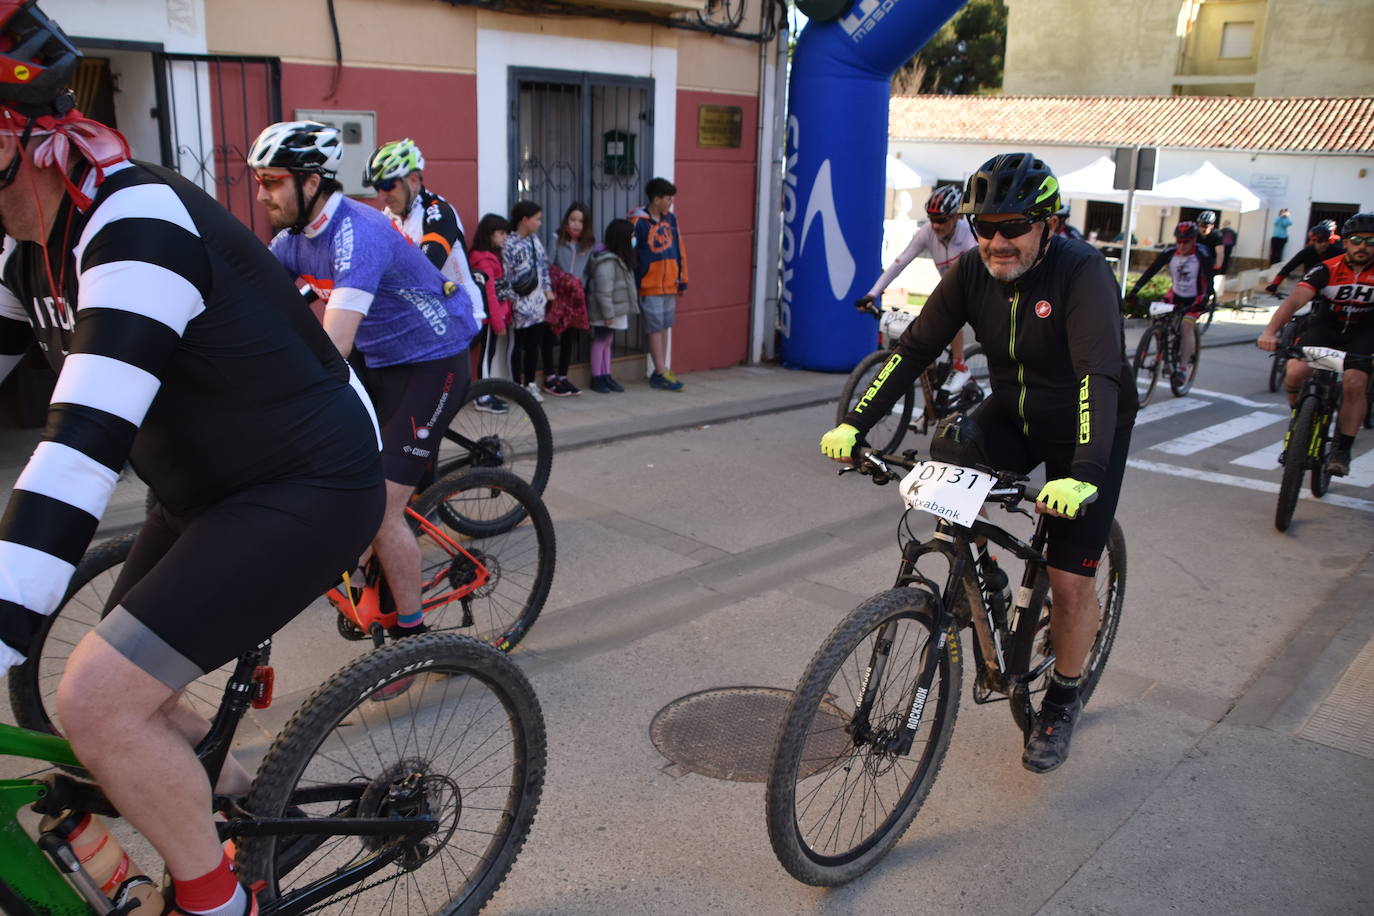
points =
(527, 270)
(485, 260)
(611, 298)
(661, 272)
(1278, 239)
(566, 316)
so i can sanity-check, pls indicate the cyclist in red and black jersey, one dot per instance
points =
(1344, 319)
(1046, 310)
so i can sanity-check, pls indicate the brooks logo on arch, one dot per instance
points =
(839, 263)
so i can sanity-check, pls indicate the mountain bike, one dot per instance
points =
(1288, 335)
(868, 726)
(417, 805)
(936, 401)
(492, 588)
(1159, 348)
(1310, 429)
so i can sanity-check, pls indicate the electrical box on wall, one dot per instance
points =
(359, 129)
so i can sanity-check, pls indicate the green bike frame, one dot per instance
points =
(28, 877)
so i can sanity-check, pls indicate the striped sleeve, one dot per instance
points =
(143, 276)
(15, 331)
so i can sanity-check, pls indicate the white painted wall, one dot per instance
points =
(178, 24)
(498, 51)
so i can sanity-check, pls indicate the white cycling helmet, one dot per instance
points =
(299, 146)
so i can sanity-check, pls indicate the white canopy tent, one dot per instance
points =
(1206, 186)
(1093, 181)
(902, 177)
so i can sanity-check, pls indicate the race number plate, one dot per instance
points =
(894, 322)
(952, 492)
(1325, 358)
(1158, 308)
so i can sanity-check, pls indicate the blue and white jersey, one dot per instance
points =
(357, 259)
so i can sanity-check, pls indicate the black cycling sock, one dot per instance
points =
(1344, 441)
(1063, 691)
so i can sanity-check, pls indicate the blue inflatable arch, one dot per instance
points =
(835, 170)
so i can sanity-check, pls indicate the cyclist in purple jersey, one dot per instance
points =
(411, 327)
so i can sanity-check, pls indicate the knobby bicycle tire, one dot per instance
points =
(817, 766)
(519, 559)
(1369, 403)
(1295, 460)
(464, 743)
(1278, 368)
(1189, 371)
(1320, 479)
(1032, 642)
(885, 435)
(1148, 363)
(519, 441)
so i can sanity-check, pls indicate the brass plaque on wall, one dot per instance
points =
(719, 126)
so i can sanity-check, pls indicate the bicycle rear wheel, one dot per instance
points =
(519, 560)
(838, 796)
(1031, 648)
(519, 440)
(1295, 461)
(464, 744)
(1189, 371)
(33, 684)
(885, 435)
(1149, 360)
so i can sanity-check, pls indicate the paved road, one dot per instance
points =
(721, 555)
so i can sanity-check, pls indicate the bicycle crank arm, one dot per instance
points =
(1025, 680)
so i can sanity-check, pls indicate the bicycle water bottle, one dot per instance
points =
(105, 861)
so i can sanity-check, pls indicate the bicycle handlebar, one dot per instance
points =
(1009, 489)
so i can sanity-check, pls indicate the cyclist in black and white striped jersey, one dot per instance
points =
(183, 349)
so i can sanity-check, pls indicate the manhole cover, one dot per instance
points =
(729, 732)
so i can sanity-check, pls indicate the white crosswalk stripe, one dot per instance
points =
(1195, 442)
(1265, 459)
(1161, 410)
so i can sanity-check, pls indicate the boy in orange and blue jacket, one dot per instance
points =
(661, 272)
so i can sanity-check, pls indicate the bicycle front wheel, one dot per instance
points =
(518, 561)
(464, 745)
(885, 435)
(1278, 367)
(839, 795)
(1180, 388)
(1295, 461)
(1369, 403)
(1149, 361)
(518, 440)
(1035, 646)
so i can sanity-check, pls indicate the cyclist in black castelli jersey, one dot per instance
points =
(409, 325)
(1190, 280)
(1047, 314)
(1322, 245)
(1342, 318)
(182, 349)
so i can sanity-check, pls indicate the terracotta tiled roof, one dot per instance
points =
(1329, 125)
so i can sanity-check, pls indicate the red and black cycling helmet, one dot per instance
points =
(37, 61)
(1359, 224)
(1012, 183)
(944, 200)
(1323, 231)
(1186, 230)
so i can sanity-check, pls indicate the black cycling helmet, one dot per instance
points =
(37, 61)
(1185, 230)
(1012, 183)
(1323, 230)
(1359, 224)
(944, 200)
(1206, 218)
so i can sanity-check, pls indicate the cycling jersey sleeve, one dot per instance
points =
(920, 242)
(920, 344)
(1301, 259)
(141, 280)
(1155, 267)
(1317, 278)
(1094, 336)
(15, 332)
(440, 234)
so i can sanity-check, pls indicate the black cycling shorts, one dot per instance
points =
(1075, 544)
(415, 403)
(1358, 341)
(196, 592)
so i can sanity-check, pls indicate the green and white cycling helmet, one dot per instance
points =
(396, 159)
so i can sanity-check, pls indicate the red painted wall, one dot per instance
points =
(716, 191)
(436, 110)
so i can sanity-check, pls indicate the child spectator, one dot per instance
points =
(611, 298)
(527, 270)
(566, 316)
(485, 260)
(662, 274)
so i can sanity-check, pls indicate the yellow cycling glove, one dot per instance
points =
(839, 442)
(1067, 495)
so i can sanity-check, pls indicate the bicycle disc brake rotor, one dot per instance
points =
(404, 789)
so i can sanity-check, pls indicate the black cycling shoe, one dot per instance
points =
(400, 632)
(1338, 464)
(1048, 745)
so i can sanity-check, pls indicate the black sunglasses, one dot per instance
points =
(385, 184)
(940, 220)
(1009, 229)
